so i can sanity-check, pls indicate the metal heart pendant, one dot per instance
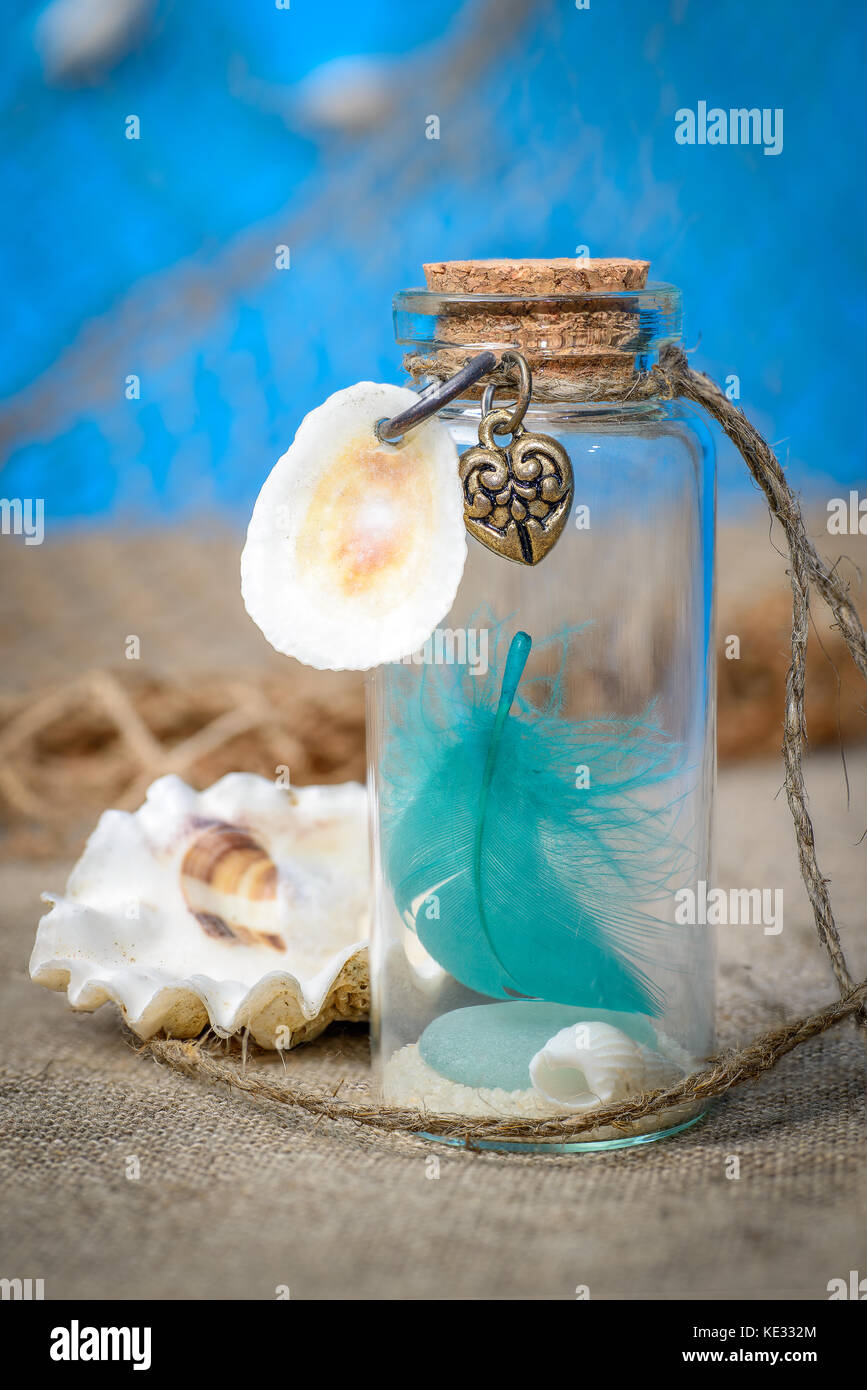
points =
(516, 497)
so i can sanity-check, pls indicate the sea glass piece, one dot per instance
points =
(492, 1045)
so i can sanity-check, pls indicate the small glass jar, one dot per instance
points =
(527, 959)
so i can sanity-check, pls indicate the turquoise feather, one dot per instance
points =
(518, 883)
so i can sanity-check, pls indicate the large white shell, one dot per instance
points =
(244, 906)
(592, 1063)
(355, 549)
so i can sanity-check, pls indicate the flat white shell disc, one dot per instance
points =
(355, 549)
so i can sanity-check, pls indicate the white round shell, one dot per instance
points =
(355, 549)
(125, 930)
(590, 1064)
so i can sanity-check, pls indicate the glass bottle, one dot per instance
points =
(496, 954)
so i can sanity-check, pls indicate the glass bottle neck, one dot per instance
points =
(588, 349)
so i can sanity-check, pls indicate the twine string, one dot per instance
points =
(670, 378)
(720, 1074)
(806, 567)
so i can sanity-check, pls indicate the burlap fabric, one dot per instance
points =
(236, 1198)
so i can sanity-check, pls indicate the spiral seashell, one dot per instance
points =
(243, 906)
(229, 883)
(591, 1064)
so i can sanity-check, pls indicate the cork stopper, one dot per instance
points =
(563, 275)
(577, 341)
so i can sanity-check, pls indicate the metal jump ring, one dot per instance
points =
(434, 397)
(525, 390)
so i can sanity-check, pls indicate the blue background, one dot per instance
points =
(156, 257)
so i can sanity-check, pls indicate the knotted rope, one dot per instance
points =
(671, 378)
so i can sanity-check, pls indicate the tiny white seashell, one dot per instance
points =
(355, 549)
(243, 906)
(593, 1063)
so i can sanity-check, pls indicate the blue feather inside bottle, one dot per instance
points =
(531, 852)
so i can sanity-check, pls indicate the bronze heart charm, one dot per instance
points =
(516, 497)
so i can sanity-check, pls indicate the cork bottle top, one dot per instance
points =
(560, 276)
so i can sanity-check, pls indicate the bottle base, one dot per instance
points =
(576, 1146)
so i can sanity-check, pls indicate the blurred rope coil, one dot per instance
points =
(100, 740)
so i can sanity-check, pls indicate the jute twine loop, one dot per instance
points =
(672, 377)
(806, 567)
